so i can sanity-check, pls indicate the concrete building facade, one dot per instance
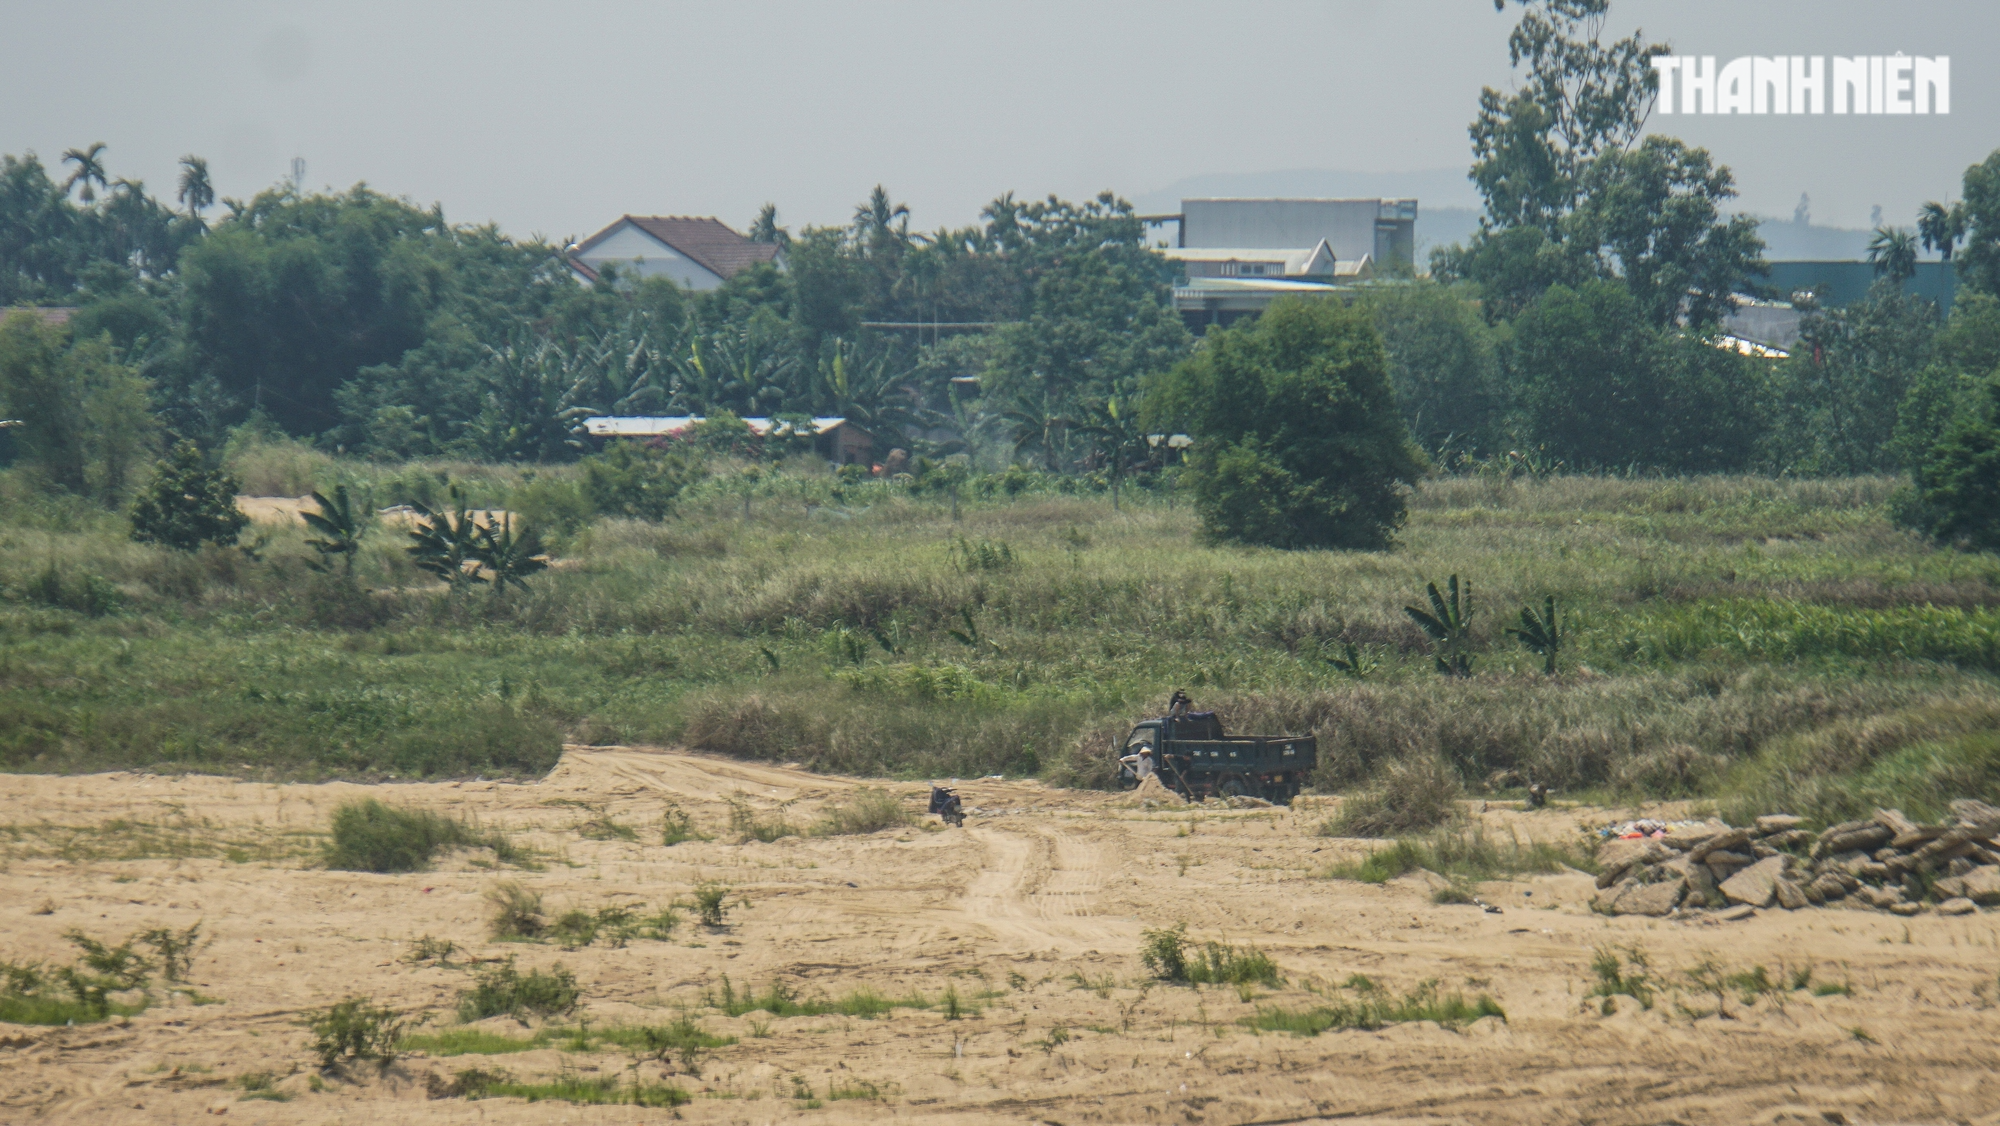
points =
(1382, 230)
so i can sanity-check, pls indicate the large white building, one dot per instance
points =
(1239, 255)
(1381, 230)
(697, 253)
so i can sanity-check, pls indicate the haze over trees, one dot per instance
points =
(1576, 329)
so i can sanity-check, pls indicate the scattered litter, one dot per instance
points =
(1646, 827)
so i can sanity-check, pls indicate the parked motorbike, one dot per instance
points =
(945, 804)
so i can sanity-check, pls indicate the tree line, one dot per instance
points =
(1576, 330)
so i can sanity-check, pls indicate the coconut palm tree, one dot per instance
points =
(1942, 228)
(1893, 253)
(197, 194)
(89, 170)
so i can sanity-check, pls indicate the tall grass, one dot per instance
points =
(866, 810)
(857, 627)
(1917, 759)
(1465, 853)
(1407, 795)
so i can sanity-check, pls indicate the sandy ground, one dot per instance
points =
(286, 510)
(1033, 913)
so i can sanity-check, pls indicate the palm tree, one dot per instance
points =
(89, 170)
(879, 221)
(1942, 228)
(766, 228)
(196, 193)
(1893, 252)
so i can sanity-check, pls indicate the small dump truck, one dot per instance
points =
(1192, 757)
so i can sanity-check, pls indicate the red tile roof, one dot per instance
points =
(709, 241)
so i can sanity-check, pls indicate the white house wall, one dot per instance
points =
(634, 251)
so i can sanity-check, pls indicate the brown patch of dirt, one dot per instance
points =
(1033, 913)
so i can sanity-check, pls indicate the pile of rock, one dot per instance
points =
(1887, 862)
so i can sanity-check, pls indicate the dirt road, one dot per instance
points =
(1031, 916)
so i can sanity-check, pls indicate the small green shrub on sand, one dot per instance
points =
(370, 836)
(1168, 955)
(1373, 1008)
(353, 1030)
(503, 989)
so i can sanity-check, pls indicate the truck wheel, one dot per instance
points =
(1232, 788)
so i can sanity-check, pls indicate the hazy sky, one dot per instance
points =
(556, 118)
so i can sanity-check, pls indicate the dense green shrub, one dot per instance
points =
(1298, 440)
(188, 503)
(1958, 480)
(1443, 366)
(636, 481)
(1601, 388)
(88, 422)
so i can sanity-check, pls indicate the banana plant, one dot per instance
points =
(1540, 634)
(1447, 626)
(448, 544)
(340, 528)
(511, 556)
(1354, 663)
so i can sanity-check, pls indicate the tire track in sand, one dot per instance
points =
(710, 778)
(1037, 890)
